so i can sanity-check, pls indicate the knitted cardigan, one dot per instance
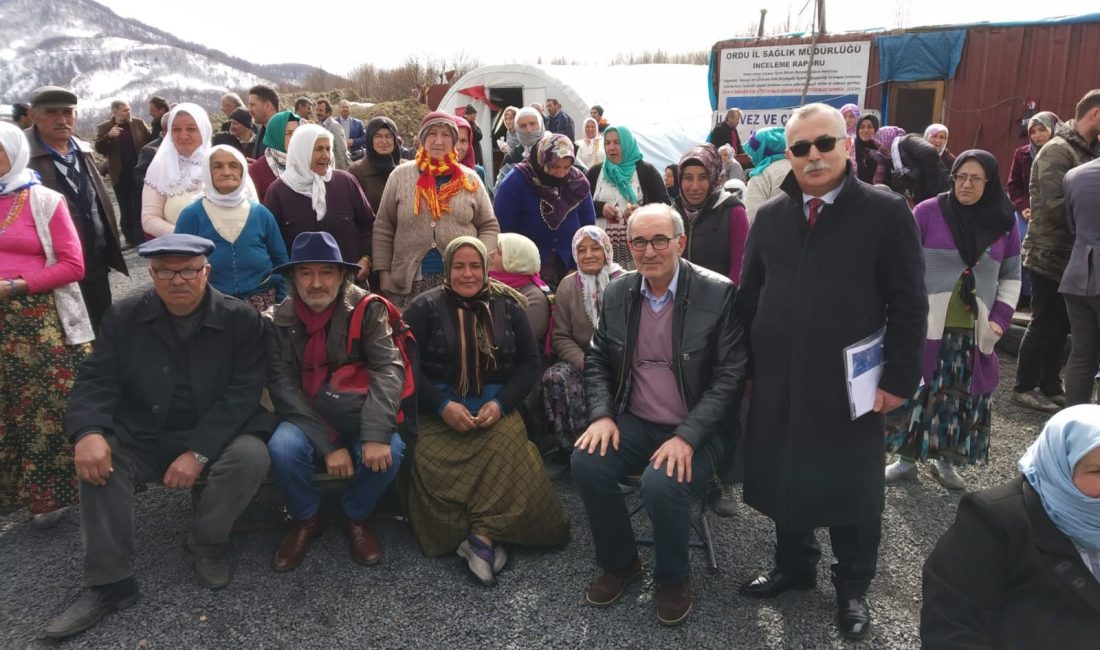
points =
(996, 281)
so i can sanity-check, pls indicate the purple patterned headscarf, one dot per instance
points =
(707, 157)
(557, 196)
(886, 136)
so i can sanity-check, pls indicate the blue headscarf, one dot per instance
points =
(1048, 465)
(765, 147)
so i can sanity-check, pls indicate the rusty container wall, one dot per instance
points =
(1002, 66)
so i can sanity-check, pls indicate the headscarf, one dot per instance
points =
(171, 173)
(557, 196)
(521, 261)
(866, 163)
(765, 147)
(1043, 118)
(18, 150)
(853, 110)
(584, 130)
(976, 226)
(934, 129)
(438, 196)
(707, 157)
(383, 163)
(468, 158)
(476, 345)
(674, 191)
(593, 286)
(1048, 466)
(621, 174)
(275, 140)
(298, 176)
(887, 138)
(529, 140)
(244, 191)
(510, 135)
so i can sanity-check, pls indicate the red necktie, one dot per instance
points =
(815, 205)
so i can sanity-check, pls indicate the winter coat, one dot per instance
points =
(716, 238)
(112, 149)
(806, 295)
(518, 206)
(1004, 576)
(707, 343)
(1019, 178)
(764, 186)
(286, 340)
(1048, 244)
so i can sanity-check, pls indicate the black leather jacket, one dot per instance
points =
(707, 343)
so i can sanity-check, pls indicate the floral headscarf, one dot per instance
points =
(707, 157)
(557, 196)
(593, 286)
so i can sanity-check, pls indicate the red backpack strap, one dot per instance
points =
(355, 327)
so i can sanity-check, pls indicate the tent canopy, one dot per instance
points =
(665, 106)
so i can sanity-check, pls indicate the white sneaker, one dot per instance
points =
(900, 469)
(49, 519)
(945, 473)
(1034, 399)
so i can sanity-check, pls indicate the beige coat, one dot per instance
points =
(572, 329)
(402, 239)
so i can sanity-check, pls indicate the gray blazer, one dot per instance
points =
(1082, 194)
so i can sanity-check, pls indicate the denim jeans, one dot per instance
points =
(667, 502)
(292, 468)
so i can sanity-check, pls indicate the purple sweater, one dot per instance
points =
(996, 280)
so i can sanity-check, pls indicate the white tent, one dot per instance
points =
(665, 106)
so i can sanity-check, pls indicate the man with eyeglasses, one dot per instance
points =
(171, 392)
(829, 262)
(663, 380)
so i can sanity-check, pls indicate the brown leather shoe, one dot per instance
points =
(292, 550)
(674, 602)
(366, 549)
(611, 584)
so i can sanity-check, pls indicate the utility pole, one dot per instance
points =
(821, 16)
(818, 28)
(760, 30)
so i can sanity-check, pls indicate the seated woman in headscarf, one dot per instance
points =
(263, 171)
(1040, 129)
(1020, 567)
(620, 184)
(972, 272)
(767, 148)
(715, 221)
(476, 482)
(174, 177)
(247, 242)
(312, 196)
(529, 128)
(871, 164)
(546, 200)
(590, 149)
(937, 135)
(463, 151)
(576, 313)
(515, 262)
(851, 115)
(423, 208)
(383, 156)
(46, 334)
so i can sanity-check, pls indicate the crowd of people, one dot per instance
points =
(323, 298)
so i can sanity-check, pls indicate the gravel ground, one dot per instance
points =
(412, 601)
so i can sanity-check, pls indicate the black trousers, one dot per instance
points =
(1084, 358)
(128, 194)
(97, 294)
(854, 547)
(1043, 348)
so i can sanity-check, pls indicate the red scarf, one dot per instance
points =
(315, 359)
(518, 280)
(439, 198)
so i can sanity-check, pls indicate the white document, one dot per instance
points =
(863, 362)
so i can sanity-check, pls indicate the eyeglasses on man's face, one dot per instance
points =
(169, 274)
(659, 243)
(824, 144)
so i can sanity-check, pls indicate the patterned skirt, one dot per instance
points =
(485, 481)
(36, 374)
(428, 281)
(261, 300)
(563, 402)
(944, 420)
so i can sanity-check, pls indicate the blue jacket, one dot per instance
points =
(517, 208)
(244, 267)
(356, 131)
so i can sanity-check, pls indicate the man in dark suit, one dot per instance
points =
(120, 139)
(66, 165)
(171, 391)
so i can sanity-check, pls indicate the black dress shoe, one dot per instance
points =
(773, 583)
(91, 607)
(853, 618)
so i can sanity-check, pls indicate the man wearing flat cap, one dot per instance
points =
(171, 392)
(240, 125)
(307, 334)
(66, 165)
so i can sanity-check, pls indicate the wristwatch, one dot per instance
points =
(200, 459)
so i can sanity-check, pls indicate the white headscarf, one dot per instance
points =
(936, 128)
(529, 139)
(244, 192)
(298, 176)
(171, 172)
(18, 151)
(593, 286)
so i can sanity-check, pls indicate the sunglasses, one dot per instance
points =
(824, 144)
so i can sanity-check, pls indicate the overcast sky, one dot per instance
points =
(339, 36)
